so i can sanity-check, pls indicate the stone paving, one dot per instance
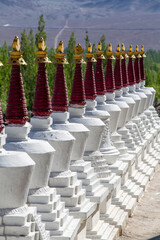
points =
(145, 223)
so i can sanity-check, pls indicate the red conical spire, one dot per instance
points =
(123, 67)
(117, 70)
(99, 74)
(16, 107)
(131, 73)
(42, 102)
(142, 63)
(137, 66)
(109, 76)
(60, 97)
(89, 83)
(78, 92)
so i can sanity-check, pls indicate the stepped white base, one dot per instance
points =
(133, 189)
(22, 223)
(113, 182)
(95, 191)
(140, 179)
(103, 231)
(74, 196)
(54, 215)
(100, 166)
(117, 217)
(128, 185)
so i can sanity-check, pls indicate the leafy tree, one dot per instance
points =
(51, 69)
(86, 40)
(5, 71)
(69, 68)
(40, 33)
(104, 48)
(29, 72)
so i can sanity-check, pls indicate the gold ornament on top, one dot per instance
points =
(137, 53)
(16, 55)
(110, 53)
(78, 57)
(61, 56)
(131, 53)
(41, 53)
(90, 55)
(142, 53)
(118, 52)
(16, 44)
(99, 52)
(123, 51)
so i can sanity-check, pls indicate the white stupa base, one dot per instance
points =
(95, 191)
(113, 182)
(117, 217)
(73, 195)
(126, 136)
(103, 231)
(125, 202)
(22, 223)
(53, 213)
(149, 154)
(129, 186)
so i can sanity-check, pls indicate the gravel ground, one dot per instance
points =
(145, 222)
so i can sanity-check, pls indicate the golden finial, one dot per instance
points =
(124, 53)
(110, 47)
(130, 48)
(61, 47)
(137, 53)
(99, 46)
(16, 55)
(89, 48)
(99, 52)
(118, 53)
(41, 45)
(123, 47)
(78, 57)
(131, 53)
(118, 48)
(142, 53)
(16, 44)
(90, 55)
(41, 53)
(61, 56)
(78, 49)
(110, 53)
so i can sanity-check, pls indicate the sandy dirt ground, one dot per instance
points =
(145, 222)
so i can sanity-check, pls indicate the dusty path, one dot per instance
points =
(145, 223)
(59, 34)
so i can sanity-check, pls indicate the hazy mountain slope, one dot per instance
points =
(130, 21)
(22, 12)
